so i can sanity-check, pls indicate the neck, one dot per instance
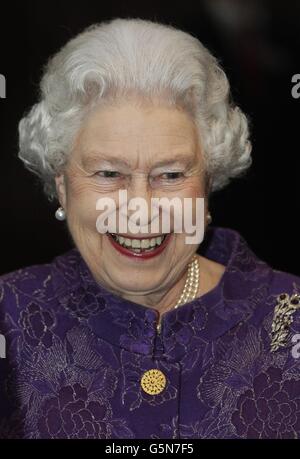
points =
(162, 300)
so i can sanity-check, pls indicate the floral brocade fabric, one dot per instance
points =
(76, 353)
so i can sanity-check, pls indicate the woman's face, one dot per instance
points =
(151, 152)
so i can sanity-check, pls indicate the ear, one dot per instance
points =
(61, 190)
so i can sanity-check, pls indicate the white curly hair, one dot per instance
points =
(122, 56)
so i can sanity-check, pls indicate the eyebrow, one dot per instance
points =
(185, 158)
(177, 158)
(96, 158)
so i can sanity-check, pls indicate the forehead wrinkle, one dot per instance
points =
(95, 158)
(179, 158)
(184, 158)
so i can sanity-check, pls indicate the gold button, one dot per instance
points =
(153, 382)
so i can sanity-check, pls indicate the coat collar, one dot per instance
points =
(131, 326)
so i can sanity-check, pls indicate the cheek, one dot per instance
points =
(195, 187)
(190, 194)
(181, 247)
(81, 205)
(195, 190)
(192, 187)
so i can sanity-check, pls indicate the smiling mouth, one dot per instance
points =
(141, 245)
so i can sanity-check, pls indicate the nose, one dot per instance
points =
(139, 195)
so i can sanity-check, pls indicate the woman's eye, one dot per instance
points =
(172, 175)
(109, 174)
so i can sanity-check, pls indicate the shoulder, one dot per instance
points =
(33, 287)
(281, 281)
(29, 282)
(276, 287)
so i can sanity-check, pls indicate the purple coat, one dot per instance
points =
(76, 354)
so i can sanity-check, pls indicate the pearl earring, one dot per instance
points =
(208, 218)
(60, 214)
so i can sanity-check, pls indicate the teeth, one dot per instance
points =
(139, 243)
(145, 243)
(127, 242)
(136, 244)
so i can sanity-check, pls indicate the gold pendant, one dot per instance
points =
(153, 381)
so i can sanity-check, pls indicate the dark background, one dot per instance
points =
(257, 43)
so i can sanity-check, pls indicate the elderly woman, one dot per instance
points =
(144, 335)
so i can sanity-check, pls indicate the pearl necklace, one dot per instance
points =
(191, 286)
